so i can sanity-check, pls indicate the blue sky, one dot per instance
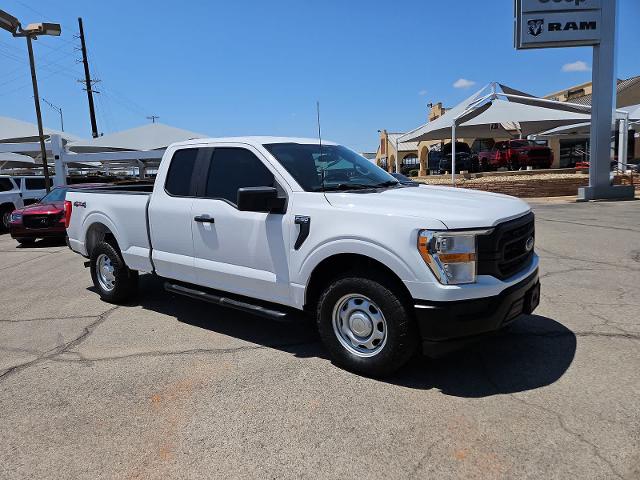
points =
(256, 67)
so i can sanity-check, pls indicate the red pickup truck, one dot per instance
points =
(515, 154)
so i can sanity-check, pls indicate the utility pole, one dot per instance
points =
(57, 109)
(153, 118)
(88, 82)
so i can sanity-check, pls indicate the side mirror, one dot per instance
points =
(260, 199)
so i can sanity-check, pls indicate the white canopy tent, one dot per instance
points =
(488, 115)
(17, 131)
(154, 136)
(626, 116)
(15, 160)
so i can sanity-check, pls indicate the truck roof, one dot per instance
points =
(256, 140)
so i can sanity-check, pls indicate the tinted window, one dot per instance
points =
(34, 183)
(5, 185)
(56, 195)
(234, 168)
(180, 171)
(318, 168)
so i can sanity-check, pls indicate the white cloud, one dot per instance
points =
(422, 93)
(578, 66)
(463, 83)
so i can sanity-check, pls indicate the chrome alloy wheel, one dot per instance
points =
(359, 325)
(105, 272)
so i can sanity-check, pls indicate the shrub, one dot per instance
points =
(413, 173)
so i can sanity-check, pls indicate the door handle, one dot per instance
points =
(203, 219)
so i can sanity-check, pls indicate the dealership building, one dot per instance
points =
(567, 148)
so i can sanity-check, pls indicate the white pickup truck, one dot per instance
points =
(274, 225)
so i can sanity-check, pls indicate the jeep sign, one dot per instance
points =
(557, 23)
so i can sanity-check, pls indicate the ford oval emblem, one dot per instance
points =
(528, 246)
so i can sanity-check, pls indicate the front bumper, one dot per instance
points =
(446, 326)
(18, 230)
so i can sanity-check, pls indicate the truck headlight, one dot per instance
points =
(16, 217)
(451, 256)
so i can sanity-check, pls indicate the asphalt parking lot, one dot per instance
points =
(168, 387)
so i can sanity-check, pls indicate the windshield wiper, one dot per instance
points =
(388, 183)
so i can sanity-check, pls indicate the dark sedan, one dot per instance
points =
(44, 219)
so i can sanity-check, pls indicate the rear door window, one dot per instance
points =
(34, 183)
(179, 177)
(5, 185)
(234, 168)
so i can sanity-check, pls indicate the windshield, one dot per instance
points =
(523, 143)
(461, 147)
(339, 167)
(56, 195)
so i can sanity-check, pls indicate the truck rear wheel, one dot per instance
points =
(365, 326)
(115, 282)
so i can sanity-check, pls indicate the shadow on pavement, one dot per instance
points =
(43, 243)
(536, 351)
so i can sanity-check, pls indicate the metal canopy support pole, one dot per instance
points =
(602, 114)
(57, 150)
(453, 153)
(623, 139)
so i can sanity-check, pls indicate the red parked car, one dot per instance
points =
(44, 219)
(515, 154)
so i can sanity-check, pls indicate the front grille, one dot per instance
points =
(503, 253)
(40, 221)
(538, 153)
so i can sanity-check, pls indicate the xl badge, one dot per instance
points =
(535, 26)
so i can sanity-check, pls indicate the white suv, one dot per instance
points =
(32, 187)
(10, 199)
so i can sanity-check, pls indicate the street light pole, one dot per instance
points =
(36, 99)
(12, 25)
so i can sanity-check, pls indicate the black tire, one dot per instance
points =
(5, 218)
(125, 281)
(26, 241)
(401, 333)
(514, 163)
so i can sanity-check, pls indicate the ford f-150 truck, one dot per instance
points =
(274, 225)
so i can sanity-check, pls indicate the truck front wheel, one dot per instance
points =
(112, 279)
(365, 326)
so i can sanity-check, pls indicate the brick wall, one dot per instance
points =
(548, 187)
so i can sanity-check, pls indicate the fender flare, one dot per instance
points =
(355, 246)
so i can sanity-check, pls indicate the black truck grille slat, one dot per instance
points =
(40, 221)
(503, 253)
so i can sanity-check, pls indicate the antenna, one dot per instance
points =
(322, 172)
(153, 118)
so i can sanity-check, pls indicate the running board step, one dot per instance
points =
(224, 301)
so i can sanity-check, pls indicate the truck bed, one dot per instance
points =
(122, 209)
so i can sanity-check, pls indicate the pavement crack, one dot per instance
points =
(561, 256)
(560, 419)
(608, 227)
(191, 351)
(63, 348)
(25, 261)
(46, 319)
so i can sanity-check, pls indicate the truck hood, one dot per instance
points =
(455, 207)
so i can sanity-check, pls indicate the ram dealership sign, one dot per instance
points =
(557, 23)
